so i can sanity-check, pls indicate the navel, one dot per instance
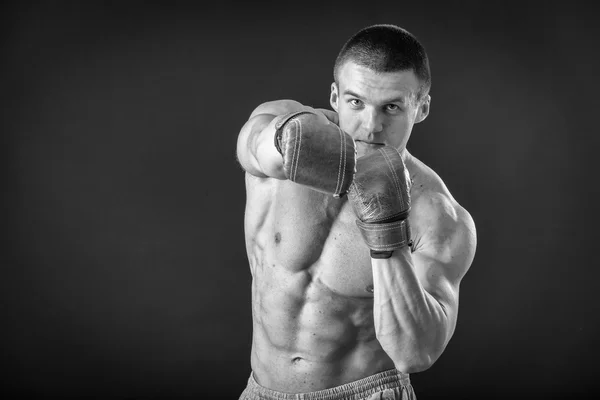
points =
(277, 238)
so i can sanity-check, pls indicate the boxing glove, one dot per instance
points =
(316, 153)
(380, 197)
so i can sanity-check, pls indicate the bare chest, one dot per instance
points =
(314, 235)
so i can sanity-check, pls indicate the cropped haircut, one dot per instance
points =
(386, 48)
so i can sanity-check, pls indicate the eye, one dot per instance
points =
(355, 103)
(393, 108)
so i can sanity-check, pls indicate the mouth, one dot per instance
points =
(370, 143)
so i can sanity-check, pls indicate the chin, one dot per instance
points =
(364, 149)
(363, 153)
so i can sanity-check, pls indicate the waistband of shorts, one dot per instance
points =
(359, 389)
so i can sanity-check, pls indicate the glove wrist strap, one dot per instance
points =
(384, 238)
(281, 121)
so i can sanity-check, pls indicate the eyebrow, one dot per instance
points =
(393, 100)
(351, 93)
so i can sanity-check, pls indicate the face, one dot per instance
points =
(377, 109)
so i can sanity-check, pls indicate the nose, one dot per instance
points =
(372, 122)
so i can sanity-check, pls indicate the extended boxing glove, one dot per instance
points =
(380, 196)
(316, 153)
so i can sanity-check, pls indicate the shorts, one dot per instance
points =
(387, 385)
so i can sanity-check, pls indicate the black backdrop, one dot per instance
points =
(124, 273)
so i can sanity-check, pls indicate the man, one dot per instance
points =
(356, 248)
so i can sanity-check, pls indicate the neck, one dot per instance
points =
(404, 154)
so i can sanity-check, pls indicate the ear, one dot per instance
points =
(334, 97)
(423, 110)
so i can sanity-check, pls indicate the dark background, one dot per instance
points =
(124, 273)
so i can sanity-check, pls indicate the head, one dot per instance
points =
(381, 87)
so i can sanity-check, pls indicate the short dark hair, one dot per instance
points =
(386, 48)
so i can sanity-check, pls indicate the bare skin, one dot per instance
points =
(324, 312)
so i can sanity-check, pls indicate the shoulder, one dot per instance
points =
(274, 108)
(443, 229)
(257, 130)
(262, 115)
(277, 107)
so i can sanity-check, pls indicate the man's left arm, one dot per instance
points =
(416, 293)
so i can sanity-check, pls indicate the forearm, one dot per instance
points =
(256, 151)
(411, 325)
(256, 148)
(262, 147)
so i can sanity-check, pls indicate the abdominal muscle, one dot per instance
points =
(312, 300)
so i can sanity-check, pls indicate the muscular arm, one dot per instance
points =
(416, 294)
(256, 151)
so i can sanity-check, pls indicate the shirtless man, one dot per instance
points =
(356, 248)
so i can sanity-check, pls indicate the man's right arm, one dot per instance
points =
(286, 140)
(256, 151)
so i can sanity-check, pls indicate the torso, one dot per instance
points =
(312, 288)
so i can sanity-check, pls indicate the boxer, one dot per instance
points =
(356, 248)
